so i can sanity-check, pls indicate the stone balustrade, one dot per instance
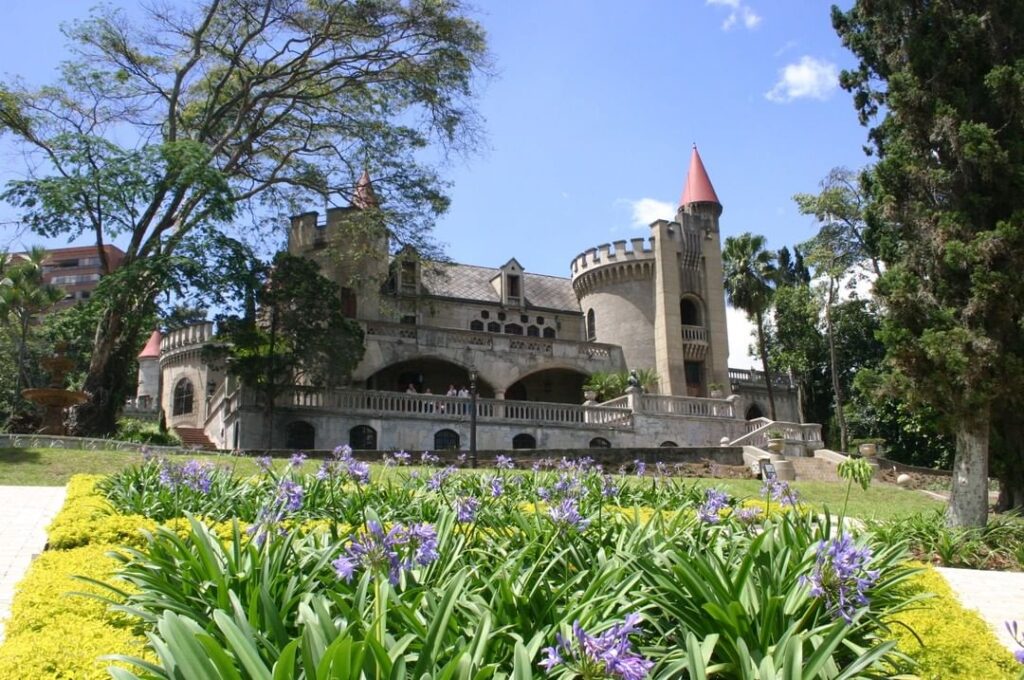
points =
(190, 336)
(687, 406)
(756, 378)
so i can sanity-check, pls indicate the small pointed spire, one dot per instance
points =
(698, 187)
(152, 348)
(364, 196)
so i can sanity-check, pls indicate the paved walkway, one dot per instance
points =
(997, 595)
(24, 513)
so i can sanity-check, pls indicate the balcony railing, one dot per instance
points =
(743, 376)
(451, 408)
(687, 406)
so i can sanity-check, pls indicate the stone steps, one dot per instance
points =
(194, 438)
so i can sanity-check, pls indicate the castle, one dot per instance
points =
(525, 342)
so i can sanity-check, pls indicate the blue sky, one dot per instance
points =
(592, 113)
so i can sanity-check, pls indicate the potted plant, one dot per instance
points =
(715, 390)
(868, 448)
(776, 440)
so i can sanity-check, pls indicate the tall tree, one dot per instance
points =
(235, 107)
(23, 297)
(749, 272)
(946, 79)
(836, 254)
(299, 337)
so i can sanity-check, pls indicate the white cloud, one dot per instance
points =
(646, 210)
(808, 78)
(741, 339)
(739, 13)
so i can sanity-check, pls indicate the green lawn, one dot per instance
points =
(53, 467)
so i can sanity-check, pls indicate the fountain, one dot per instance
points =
(55, 398)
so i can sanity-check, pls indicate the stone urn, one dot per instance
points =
(590, 395)
(776, 444)
(868, 449)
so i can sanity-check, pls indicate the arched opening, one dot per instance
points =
(549, 332)
(476, 325)
(557, 385)
(600, 443)
(689, 312)
(300, 435)
(533, 331)
(363, 438)
(446, 440)
(754, 411)
(493, 327)
(591, 326)
(182, 404)
(668, 445)
(513, 329)
(524, 441)
(437, 375)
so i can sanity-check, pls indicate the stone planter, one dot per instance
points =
(868, 449)
(716, 394)
(589, 395)
(776, 445)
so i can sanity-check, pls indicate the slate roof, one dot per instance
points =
(470, 282)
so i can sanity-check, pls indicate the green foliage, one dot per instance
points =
(612, 385)
(144, 432)
(998, 545)
(944, 209)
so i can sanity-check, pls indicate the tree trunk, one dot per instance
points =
(108, 382)
(764, 363)
(837, 388)
(968, 500)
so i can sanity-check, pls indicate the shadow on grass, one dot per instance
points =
(19, 456)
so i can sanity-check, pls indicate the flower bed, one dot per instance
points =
(559, 573)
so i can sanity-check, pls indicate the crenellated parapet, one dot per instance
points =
(185, 341)
(612, 262)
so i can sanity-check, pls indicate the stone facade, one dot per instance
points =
(527, 342)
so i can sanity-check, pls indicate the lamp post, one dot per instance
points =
(472, 418)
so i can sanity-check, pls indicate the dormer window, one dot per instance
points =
(407, 277)
(509, 284)
(514, 289)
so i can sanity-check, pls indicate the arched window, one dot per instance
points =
(591, 327)
(549, 332)
(493, 327)
(476, 325)
(600, 443)
(182, 398)
(533, 331)
(446, 439)
(300, 435)
(524, 441)
(363, 438)
(689, 312)
(754, 411)
(349, 303)
(513, 329)
(668, 445)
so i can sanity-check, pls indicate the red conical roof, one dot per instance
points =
(698, 187)
(152, 348)
(364, 196)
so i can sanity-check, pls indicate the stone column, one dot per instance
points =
(668, 341)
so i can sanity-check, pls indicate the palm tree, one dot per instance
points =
(23, 296)
(749, 277)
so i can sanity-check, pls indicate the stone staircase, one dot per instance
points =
(194, 438)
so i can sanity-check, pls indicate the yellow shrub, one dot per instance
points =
(957, 643)
(55, 634)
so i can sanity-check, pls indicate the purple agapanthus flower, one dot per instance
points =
(297, 459)
(779, 491)
(358, 471)
(289, 494)
(465, 508)
(427, 458)
(609, 654)
(748, 515)
(403, 458)
(437, 480)
(197, 476)
(264, 463)
(399, 549)
(714, 501)
(325, 471)
(504, 463)
(1018, 637)
(342, 452)
(497, 487)
(640, 467)
(841, 576)
(608, 487)
(566, 515)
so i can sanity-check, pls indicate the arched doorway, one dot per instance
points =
(754, 411)
(300, 435)
(445, 440)
(556, 385)
(363, 438)
(524, 441)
